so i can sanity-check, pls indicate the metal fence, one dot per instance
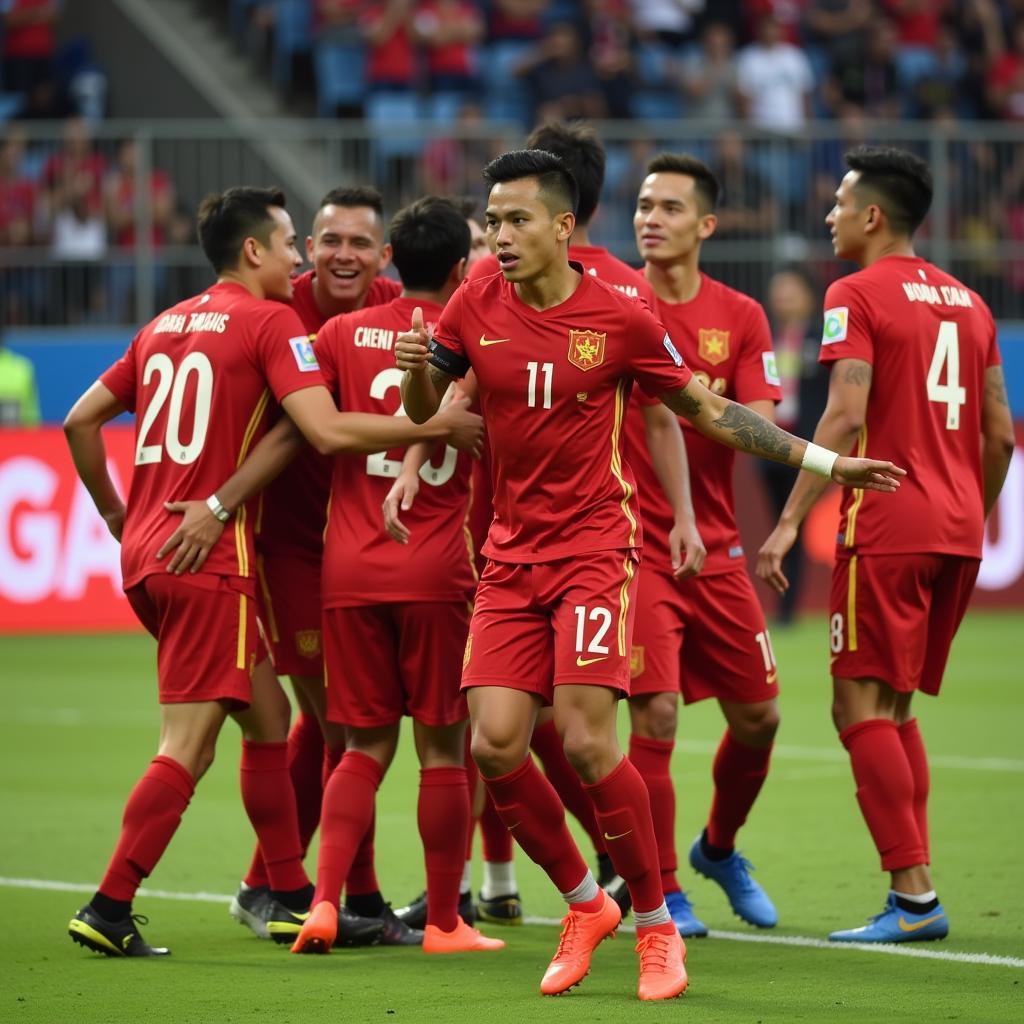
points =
(776, 193)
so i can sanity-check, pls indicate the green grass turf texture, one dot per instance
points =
(79, 723)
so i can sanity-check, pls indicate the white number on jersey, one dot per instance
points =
(378, 464)
(764, 641)
(947, 353)
(548, 370)
(599, 615)
(835, 633)
(173, 383)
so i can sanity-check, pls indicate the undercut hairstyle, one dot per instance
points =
(428, 238)
(351, 196)
(899, 182)
(705, 184)
(558, 188)
(226, 219)
(580, 149)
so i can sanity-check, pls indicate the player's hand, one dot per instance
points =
(687, 549)
(465, 428)
(411, 346)
(115, 522)
(401, 496)
(771, 554)
(868, 474)
(194, 538)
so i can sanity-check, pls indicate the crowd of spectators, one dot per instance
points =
(774, 63)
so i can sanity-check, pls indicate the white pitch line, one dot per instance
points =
(771, 940)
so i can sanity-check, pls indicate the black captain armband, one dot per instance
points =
(446, 360)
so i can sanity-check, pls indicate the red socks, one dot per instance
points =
(653, 760)
(885, 791)
(443, 818)
(917, 758)
(532, 812)
(739, 773)
(151, 817)
(623, 812)
(547, 745)
(269, 801)
(305, 768)
(349, 799)
(497, 840)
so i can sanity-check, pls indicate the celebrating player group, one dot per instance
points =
(497, 498)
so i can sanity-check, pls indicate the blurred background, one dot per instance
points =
(117, 116)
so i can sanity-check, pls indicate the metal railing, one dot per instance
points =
(776, 193)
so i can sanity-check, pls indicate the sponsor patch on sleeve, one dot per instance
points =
(836, 322)
(672, 351)
(305, 357)
(771, 370)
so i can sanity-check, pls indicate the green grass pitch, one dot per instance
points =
(79, 722)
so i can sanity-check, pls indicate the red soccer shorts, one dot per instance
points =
(206, 636)
(384, 661)
(705, 636)
(569, 621)
(893, 617)
(288, 600)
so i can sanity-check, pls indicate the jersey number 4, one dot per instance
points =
(173, 383)
(947, 354)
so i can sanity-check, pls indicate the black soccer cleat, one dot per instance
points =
(250, 906)
(111, 938)
(284, 925)
(414, 914)
(500, 910)
(354, 930)
(397, 932)
(619, 892)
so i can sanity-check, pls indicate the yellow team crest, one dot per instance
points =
(307, 642)
(469, 650)
(586, 349)
(636, 662)
(713, 345)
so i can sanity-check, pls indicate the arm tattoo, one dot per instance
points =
(859, 374)
(995, 385)
(439, 379)
(687, 404)
(753, 433)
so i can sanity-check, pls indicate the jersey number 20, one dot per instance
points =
(172, 383)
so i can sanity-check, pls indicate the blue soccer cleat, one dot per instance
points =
(747, 899)
(896, 925)
(686, 921)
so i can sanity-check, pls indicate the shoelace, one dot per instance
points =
(654, 952)
(743, 870)
(567, 940)
(140, 919)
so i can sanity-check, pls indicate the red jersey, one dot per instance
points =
(554, 386)
(597, 262)
(929, 341)
(724, 337)
(197, 379)
(293, 511)
(362, 564)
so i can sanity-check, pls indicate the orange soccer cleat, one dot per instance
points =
(319, 931)
(581, 935)
(463, 939)
(662, 966)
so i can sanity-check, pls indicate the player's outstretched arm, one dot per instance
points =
(423, 385)
(668, 457)
(997, 440)
(331, 432)
(202, 522)
(838, 428)
(83, 430)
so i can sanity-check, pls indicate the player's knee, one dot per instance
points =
(204, 760)
(655, 717)
(759, 725)
(496, 753)
(586, 751)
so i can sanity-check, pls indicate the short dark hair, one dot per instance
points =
(900, 180)
(466, 205)
(705, 184)
(557, 185)
(428, 238)
(355, 195)
(580, 149)
(226, 219)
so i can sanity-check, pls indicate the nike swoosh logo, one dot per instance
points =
(484, 342)
(583, 662)
(906, 926)
(125, 941)
(622, 835)
(516, 825)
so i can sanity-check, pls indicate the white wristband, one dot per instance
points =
(218, 510)
(819, 460)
